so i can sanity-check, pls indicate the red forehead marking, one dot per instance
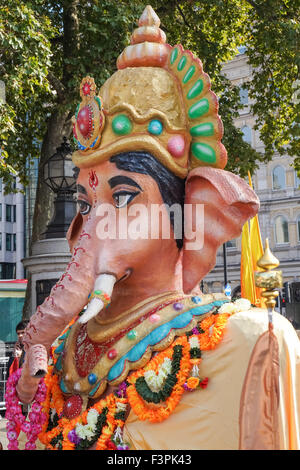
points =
(93, 179)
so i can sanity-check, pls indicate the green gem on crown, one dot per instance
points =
(97, 99)
(181, 63)
(132, 335)
(174, 55)
(195, 90)
(205, 129)
(121, 124)
(203, 152)
(198, 109)
(190, 72)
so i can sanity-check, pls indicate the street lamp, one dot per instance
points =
(227, 287)
(58, 176)
(225, 264)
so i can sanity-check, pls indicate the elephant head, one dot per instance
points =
(129, 269)
(149, 144)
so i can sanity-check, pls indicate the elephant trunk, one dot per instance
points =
(66, 300)
(48, 323)
(34, 368)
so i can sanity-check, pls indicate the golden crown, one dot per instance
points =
(159, 101)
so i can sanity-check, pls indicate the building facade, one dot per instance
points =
(12, 233)
(278, 188)
(16, 218)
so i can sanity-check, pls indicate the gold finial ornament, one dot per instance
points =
(268, 260)
(268, 279)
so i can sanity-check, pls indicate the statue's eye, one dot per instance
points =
(123, 198)
(83, 207)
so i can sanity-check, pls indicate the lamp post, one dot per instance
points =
(227, 287)
(58, 176)
(225, 264)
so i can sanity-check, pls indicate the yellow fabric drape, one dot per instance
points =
(256, 251)
(247, 273)
(252, 251)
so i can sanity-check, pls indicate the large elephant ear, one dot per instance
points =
(222, 202)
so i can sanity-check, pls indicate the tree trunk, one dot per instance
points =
(59, 125)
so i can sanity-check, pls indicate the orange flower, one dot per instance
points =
(214, 329)
(193, 382)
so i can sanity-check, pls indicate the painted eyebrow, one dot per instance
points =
(81, 189)
(121, 179)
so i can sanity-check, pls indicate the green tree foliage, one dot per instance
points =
(47, 47)
(273, 49)
(213, 29)
(25, 57)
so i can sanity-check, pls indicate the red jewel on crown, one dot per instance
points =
(89, 118)
(86, 89)
(85, 121)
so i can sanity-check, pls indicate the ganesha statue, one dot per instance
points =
(127, 352)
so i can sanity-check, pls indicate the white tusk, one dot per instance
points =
(105, 283)
(94, 307)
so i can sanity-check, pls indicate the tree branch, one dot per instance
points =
(71, 38)
(264, 13)
(57, 39)
(253, 4)
(58, 87)
(183, 16)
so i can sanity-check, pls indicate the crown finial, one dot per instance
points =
(148, 30)
(148, 46)
(149, 17)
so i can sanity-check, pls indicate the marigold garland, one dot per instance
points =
(57, 434)
(213, 330)
(55, 401)
(160, 414)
